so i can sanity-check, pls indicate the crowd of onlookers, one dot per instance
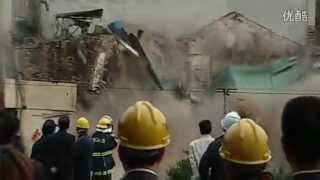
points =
(242, 152)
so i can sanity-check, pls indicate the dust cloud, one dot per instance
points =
(167, 17)
(178, 17)
(270, 14)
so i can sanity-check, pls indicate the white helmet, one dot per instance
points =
(229, 120)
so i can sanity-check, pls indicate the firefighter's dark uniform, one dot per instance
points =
(140, 174)
(82, 158)
(103, 161)
(306, 175)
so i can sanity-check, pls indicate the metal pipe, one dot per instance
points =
(303, 92)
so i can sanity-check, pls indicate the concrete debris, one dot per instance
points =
(112, 57)
(81, 19)
(59, 60)
(81, 51)
(194, 99)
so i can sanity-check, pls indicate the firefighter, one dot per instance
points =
(83, 151)
(144, 136)
(104, 144)
(246, 152)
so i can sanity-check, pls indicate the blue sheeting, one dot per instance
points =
(277, 74)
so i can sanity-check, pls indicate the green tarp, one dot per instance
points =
(271, 76)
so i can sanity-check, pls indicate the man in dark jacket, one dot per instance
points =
(83, 151)
(60, 149)
(211, 165)
(104, 143)
(39, 149)
(300, 136)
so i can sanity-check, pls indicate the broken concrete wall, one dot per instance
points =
(59, 60)
(183, 16)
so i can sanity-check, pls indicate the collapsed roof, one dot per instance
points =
(232, 38)
(238, 39)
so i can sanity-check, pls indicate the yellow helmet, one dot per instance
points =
(246, 143)
(143, 127)
(104, 122)
(83, 123)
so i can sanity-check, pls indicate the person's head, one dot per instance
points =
(229, 119)
(301, 132)
(48, 127)
(144, 135)
(105, 124)
(83, 126)
(205, 127)
(9, 127)
(14, 165)
(64, 123)
(245, 150)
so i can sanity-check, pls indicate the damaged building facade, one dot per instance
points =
(93, 67)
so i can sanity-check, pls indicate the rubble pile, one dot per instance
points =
(118, 57)
(60, 61)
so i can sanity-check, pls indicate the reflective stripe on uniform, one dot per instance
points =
(102, 173)
(98, 140)
(102, 154)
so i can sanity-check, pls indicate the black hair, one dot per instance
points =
(14, 164)
(64, 122)
(205, 127)
(139, 158)
(9, 127)
(48, 127)
(301, 129)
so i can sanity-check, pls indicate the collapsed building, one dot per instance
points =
(89, 69)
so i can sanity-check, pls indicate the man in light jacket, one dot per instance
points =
(199, 146)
